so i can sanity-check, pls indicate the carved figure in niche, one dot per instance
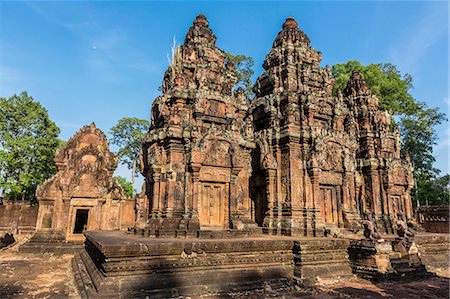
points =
(351, 125)
(202, 79)
(240, 96)
(370, 229)
(248, 128)
(267, 158)
(153, 156)
(348, 163)
(294, 114)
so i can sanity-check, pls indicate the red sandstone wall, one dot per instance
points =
(128, 214)
(434, 219)
(18, 215)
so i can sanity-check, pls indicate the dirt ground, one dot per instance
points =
(24, 275)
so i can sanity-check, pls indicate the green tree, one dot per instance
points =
(416, 120)
(28, 141)
(126, 185)
(434, 191)
(127, 134)
(243, 67)
(418, 137)
(383, 80)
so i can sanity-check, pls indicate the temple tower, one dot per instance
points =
(196, 156)
(321, 159)
(386, 174)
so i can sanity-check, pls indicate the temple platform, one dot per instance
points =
(128, 265)
(51, 243)
(125, 264)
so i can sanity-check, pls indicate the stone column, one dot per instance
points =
(314, 207)
(156, 200)
(232, 199)
(195, 190)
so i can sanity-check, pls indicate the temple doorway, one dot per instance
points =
(81, 221)
(212, 209)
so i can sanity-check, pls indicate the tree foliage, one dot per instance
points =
(127, 134)
(383, 80)
(434, 191)
(418, 137)
(243, 66)
(416, 120)
(28, 141)
(126, 185)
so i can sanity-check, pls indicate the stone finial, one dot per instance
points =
(201, 20)
(200, 33)
(290, 23)
(290, 33)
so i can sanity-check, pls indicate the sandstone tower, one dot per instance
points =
(321, 160)
(196, 156)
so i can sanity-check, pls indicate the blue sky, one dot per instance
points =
(101, 61)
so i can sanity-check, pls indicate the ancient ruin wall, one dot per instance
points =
(18, 216)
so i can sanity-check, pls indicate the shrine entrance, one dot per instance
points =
(330, 207)
(212, 205)
(81, 221)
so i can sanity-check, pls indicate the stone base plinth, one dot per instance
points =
(51, 242)
(116, 264)
(321, 261)
(369, 259)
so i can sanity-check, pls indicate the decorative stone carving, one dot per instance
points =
(370, 229)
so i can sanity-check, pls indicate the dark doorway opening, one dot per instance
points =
(81, 220)
(258, 188)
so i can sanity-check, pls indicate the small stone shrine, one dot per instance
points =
(83, 195)
(196, 157)
(322, 160)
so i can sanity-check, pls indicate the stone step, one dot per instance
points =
(82, 278)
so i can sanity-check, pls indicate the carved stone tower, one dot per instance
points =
(321, 160)
(196, 156)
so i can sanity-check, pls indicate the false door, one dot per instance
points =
(212, 205)
(329, 205)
